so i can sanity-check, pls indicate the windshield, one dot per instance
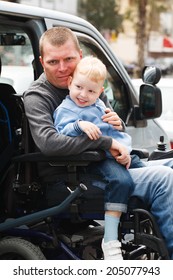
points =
(17, 69)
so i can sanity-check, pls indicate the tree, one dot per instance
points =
(141, 31)
(145, 15)
(102, 14)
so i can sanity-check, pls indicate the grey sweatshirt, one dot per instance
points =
(40, 101)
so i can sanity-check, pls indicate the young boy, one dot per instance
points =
(81, 112)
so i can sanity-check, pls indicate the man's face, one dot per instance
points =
(59, 62)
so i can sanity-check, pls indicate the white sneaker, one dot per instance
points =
(112, 250)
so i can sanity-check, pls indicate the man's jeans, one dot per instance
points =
(154, 185)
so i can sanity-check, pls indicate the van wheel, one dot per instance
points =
(19, 249)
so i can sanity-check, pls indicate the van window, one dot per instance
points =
(16, 59)
(114, 86)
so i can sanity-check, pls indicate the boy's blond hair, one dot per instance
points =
(93, 68)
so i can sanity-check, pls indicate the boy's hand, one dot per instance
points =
(90, 129)
(112, 118)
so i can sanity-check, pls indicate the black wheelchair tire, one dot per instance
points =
(19, 249)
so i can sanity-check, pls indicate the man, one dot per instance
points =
(60, 53)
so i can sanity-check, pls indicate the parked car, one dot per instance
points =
(164, 63)
(166, 118)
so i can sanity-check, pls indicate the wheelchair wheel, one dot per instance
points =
(19, 249)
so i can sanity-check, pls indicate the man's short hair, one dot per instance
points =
(58, 36)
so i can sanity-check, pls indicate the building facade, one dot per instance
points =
(67, 6)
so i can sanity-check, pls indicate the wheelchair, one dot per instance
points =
(73, 228)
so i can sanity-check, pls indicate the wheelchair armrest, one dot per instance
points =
(85, 158)
(141, 153)
(161, 154)
(70, 162)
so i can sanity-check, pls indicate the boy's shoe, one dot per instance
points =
(112, 250)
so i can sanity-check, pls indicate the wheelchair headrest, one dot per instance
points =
(6, 89)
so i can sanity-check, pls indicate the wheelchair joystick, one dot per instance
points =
(161, 145)
(161, 151)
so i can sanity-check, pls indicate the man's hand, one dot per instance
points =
(112, 118)
(120, 153)
(90, 129)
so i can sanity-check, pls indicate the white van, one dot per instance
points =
(20, 63)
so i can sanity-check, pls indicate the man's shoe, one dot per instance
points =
(112, 250)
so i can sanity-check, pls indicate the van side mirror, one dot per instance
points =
(151, 75)
(150, 98)
(12, 39)
(150, 101)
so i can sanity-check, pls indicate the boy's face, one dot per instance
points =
(84, 91)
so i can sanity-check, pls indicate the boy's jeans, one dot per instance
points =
(115, 180)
